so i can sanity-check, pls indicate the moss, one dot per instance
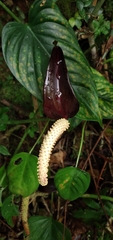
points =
(67, 8)
(11, 89)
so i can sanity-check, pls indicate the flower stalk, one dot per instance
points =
(24, 214)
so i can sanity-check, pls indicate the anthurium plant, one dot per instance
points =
(65, 85)
(27, 49)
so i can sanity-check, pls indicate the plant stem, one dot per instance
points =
(39, 137)
(91, 39)
(81, 144)
(108, 60)
(95, 14)
(9, 11)
(25, 134)
(107, 198)
(97, 8)
(24, 213)
(23, 138)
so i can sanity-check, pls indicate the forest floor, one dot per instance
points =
(84, 218)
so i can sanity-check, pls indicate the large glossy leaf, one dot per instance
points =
(22, 174)
(105, 93)
(46, 228)
(27, 49)
(71, 182)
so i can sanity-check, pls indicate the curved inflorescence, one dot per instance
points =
(47, 146)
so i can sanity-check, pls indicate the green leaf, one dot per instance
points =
(3, 117)
(89, 216)
(27, 49)
(101, 26)
(108, 206)
(32, 130)
(88, 2)
(74, 122)
(105, 93)
(75, 22)
(3, 110)
(92, 203)
(80, 5)
(72, 21)
(3, 177)
(4, 150)
(22, 174)
(9, 210)
(47, 228)
(71, 182)
(3, 182)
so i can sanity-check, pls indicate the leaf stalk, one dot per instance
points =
(9, 12)
(94, 196)
(81, 144)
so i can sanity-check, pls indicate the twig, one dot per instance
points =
(99, 197)
(101, 172)
(15, 107)
(96, 145)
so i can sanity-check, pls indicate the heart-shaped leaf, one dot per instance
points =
(22, 174)
(27, 49)
(71, 182)
(47, 228)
